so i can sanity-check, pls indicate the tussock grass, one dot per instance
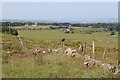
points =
(51, 66)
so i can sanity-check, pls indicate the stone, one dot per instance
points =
(44, 52)
(67, 51)
(36, 52)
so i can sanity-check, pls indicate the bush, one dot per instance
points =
(9, 30)
(53, 28)
(72, 31)
(112, 33)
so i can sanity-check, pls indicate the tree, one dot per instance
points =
(110, 28)
(15, 32)
(10, 31)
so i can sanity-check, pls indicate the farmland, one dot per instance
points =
(54, 65)
(101, 38)
(42, 40)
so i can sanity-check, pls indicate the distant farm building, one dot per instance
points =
(26, 25)
(90, 26)
(68, 30)
(35, 24)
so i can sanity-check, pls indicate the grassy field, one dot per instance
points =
(53, 65)
(19, 27)
(100, 37)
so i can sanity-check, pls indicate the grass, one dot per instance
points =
(9, 41)
(51, 66)
(55, 65)
(101, 38)
(20, 27)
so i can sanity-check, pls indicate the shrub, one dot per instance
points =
(112, 33)
(9, 30)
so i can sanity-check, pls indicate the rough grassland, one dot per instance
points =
(53, 65)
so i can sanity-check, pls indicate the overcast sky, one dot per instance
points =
(62, 11)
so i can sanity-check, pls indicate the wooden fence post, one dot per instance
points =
(63, 44)
(104, 54)
(84, 47)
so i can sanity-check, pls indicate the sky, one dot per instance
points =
(59, 0)
(60, 11)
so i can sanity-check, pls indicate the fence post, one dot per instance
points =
(93, 48)
(104, 54)
(84, 47)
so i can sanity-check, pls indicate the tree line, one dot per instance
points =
(109, 26)
(9, 31)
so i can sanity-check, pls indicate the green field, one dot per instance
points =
(100, 37)
(53, 65)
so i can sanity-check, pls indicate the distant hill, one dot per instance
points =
(17, 20)
(110, 20)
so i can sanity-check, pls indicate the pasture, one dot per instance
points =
(100, 37)
(23, 64)
(20, 27)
